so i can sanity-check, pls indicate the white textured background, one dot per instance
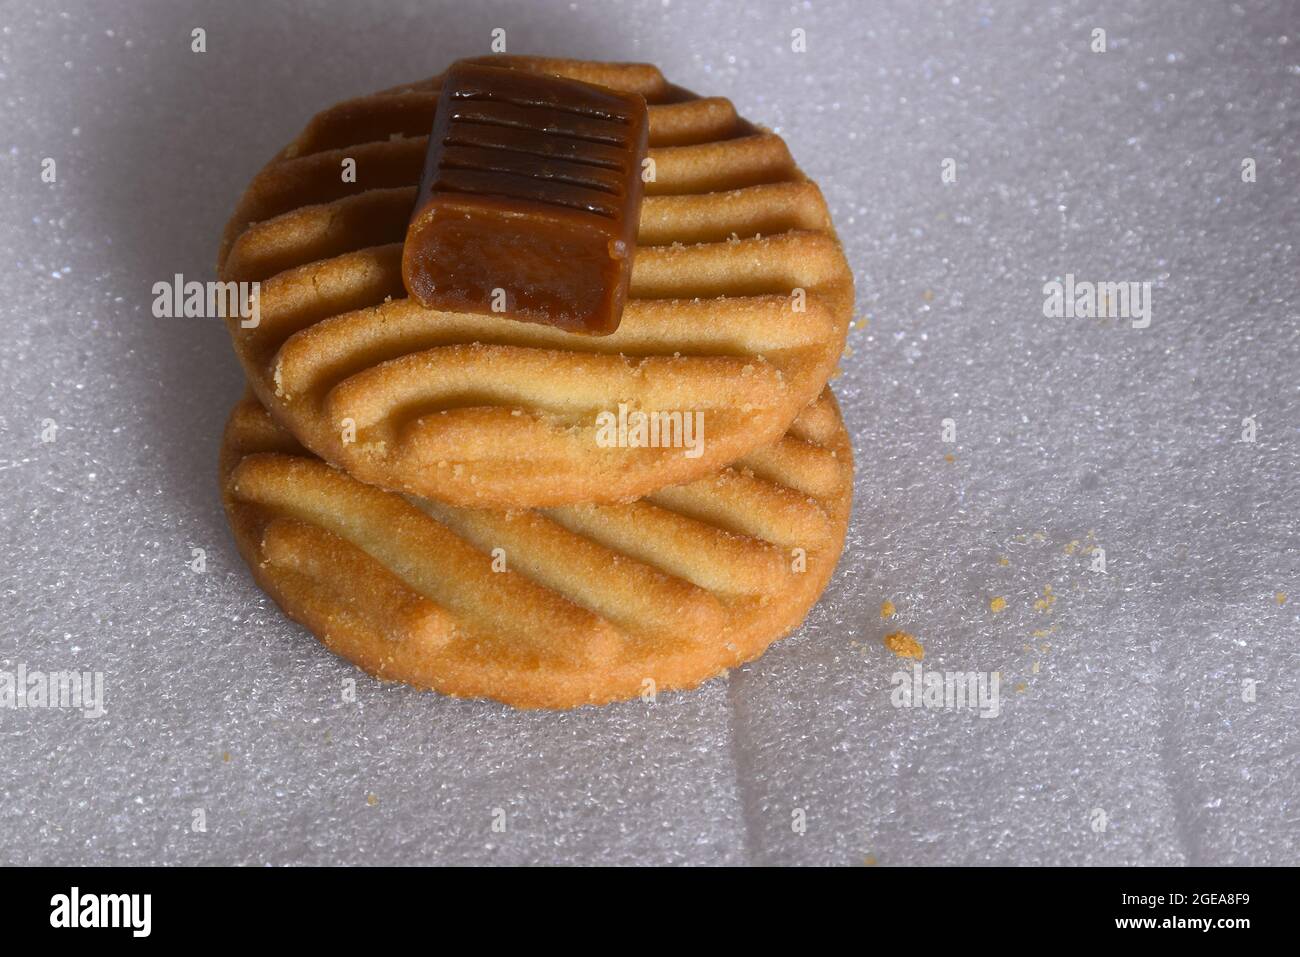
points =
(1116, 166)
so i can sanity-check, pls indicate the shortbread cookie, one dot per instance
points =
(739, 302)
(547, 608)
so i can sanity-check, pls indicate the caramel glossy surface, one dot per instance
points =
(529, 200)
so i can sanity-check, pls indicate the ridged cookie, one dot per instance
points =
(486, 411)
(548, 608)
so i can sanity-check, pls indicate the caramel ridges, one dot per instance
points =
(530, 199)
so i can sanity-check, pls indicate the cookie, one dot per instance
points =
(739, 302)
(544, 608)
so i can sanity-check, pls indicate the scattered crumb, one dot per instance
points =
(1003, 560)
(950, 458)
(371, 800)
(997, 605)
(1021, 687)
(1034, 668)
(870, 860)
(1044, 647)
(928, 295)
(225, 756)
(887, 609)
(1045, 603)
(904, 645)
(1072, 548)
(1280, 598)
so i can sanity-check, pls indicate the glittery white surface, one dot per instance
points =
(1122, 165)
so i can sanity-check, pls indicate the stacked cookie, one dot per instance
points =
(495, 508)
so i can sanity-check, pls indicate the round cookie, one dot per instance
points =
(739, 303)
(547, 608)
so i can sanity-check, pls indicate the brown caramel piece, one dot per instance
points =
(530, 199)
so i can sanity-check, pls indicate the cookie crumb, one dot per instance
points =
(372, 800)
(887, 609)
(904, 645)
(997, 605)
(1045, 603)
(1280, 598)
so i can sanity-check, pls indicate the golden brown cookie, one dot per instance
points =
(548, 608)
(740, 300)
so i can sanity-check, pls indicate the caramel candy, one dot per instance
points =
(530, 199)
